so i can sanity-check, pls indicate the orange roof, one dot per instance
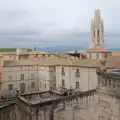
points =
(98, 48)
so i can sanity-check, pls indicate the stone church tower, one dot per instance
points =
(97, 30)
(97, 50)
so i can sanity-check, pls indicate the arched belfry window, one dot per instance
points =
(98, 33)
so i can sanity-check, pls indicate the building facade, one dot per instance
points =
(102, 103)
(30, 76)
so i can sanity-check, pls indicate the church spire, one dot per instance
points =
(97, 30)
(97, 17)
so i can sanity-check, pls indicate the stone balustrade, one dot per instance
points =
(33, 95)
(7, 101)
(28, 110)
(108, 79)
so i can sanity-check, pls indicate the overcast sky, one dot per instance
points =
(42, 23)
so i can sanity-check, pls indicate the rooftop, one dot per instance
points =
(98, 48)
(112, 62)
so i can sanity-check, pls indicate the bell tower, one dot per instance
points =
(97, 30)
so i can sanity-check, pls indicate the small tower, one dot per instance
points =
(97, 30)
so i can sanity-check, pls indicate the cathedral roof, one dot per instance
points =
(98, 48)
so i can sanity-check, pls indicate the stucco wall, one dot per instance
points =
(15, 80)
(87, 80)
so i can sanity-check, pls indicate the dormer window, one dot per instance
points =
(63, 71)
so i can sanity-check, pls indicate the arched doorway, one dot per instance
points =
(22, 87)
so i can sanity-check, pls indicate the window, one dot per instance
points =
(77, 73)
(98, 41)
(98, 33)
(21, 76)
(32, 85)
(10, 77)
(63, 83)
(22, 87)
(10, 87)
(77, 85)
(63, 71)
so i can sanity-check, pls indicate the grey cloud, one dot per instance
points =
(28, 23)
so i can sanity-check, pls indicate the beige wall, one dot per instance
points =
(87, 79)
(97, 55)
(30, 75)
(46, 76)
(9, 57)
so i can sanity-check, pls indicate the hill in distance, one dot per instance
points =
(70, 48)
